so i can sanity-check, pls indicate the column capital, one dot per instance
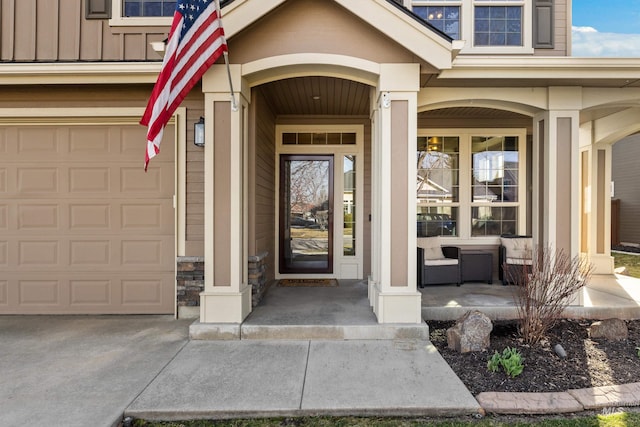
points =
(565, 98)
(216, 80)
(399, 78)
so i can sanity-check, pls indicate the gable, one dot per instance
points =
(328, 27)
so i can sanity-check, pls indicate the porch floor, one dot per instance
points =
(344, 312)
(607, 296)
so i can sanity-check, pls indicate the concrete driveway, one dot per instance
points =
(81, 371)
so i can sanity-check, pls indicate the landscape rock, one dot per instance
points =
(610, 329)
(622, 271)
(470, 333)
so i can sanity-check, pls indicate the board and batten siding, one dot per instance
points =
(624, 174)
(56, 30)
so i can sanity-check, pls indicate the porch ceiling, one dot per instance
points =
(340, 97)
(317, 96)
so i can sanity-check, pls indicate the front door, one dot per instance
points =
(306, 214)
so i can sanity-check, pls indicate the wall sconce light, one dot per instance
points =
(198, 132)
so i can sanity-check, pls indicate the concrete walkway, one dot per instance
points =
(89, 371)
(227, 379)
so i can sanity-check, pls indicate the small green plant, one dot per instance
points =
(638, 351)
(510, 360)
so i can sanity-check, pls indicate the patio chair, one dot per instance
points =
(438, 264)
(515, 252)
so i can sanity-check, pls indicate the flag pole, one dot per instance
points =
(234, 106)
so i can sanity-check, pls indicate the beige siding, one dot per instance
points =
(624, 173)
(194, 245)
(262, 182)
(56, 30)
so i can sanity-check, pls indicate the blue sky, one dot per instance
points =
(606, 28)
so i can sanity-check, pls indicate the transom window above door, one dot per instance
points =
(319, 138)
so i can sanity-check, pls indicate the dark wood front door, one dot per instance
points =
(306, 214)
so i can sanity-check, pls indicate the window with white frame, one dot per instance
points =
(486, 25)
(142, 12)
(470, 184)
(136, 8)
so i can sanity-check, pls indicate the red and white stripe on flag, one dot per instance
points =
(196, 41)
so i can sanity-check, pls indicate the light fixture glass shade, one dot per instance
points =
(198, 132)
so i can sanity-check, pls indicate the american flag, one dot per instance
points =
(196, 41)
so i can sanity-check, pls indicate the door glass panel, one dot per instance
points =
(349, 206)
(306, 214)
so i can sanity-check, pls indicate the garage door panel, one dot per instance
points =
(94, 293)
(4, 253)
(34, 142)
(38, 217)
(90, 253)
(93, 180)
(94, 141)
(83, 230)
(143, 291)
(4, 293)
(4, 217)
(3, 179)
(37, 180)
(85, 218)
(44, 292)
(43, 254)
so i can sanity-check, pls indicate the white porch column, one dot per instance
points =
(595, 227)
(392, 287)
(556, 176)
(227, 296)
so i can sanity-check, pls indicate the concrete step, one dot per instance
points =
(248, 331)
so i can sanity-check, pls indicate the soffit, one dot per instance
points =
(536, 71)
(317, 96)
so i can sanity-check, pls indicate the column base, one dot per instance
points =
(225, 307)
(602, 264)
(395, 306)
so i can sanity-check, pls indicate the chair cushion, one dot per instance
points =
(519, 261)
(432, 248)
(518, 247)
(445, 261)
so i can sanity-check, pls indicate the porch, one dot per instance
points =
(343, 312)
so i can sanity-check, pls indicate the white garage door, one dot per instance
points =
(83, 229)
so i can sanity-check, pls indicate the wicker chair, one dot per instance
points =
(438, 264)
(515, 252)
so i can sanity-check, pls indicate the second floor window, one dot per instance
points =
(446, 18)
(137, 8)
(497, 26)
(484, 24)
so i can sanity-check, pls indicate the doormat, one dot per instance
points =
(292, 283)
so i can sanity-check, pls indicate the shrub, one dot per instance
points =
(510, 360)
(546, 288)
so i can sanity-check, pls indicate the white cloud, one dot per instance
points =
(587, 41)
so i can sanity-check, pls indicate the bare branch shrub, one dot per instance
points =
(545, 289)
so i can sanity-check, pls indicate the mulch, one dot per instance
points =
(589, 362)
